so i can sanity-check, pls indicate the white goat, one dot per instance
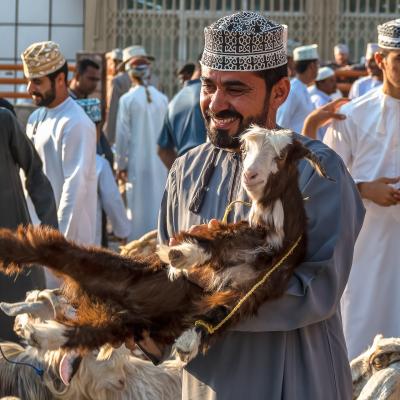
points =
(122, 376)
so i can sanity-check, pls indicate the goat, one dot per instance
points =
(69, 376)
(117, 297)
(376, 372)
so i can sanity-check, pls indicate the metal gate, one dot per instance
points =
(172, 30)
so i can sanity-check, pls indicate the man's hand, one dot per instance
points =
(122, 175)
(214, 224)
(322, 116)
(380, 191)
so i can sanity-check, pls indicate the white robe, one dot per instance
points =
(139, 124)
(109, 200)
(363, 85)
(369, 143)
(293, 112)
(65, 139)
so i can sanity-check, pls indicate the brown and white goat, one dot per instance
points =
(117, 297)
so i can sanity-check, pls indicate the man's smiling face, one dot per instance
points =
(230, 102)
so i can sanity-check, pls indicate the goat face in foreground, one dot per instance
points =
(376, 372)
(117, 296)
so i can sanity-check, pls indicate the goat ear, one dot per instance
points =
(299, 151)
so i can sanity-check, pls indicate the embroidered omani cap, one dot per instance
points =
(309, 52)
(92, 108)
(389, 35)
(324, 73)
(41, 59)
(372, 48)
(244, 41)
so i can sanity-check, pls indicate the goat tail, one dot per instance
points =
(45, 246)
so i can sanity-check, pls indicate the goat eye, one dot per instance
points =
(380, 361)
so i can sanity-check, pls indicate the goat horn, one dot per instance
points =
(14, 309)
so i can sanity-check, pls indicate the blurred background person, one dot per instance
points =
(322, 91)
(17, 152)
(183, 126)
(341, 55)
(65, 139)
(375, 75)
(185, 73)
(292, 113)
(140, 118)
(85, 80)
(121, 83)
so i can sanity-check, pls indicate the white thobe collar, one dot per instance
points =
(389, 104)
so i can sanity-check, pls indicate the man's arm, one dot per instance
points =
(341, 137)
(111, 201)
(166, 146)
(122, 138)
(78, 157)
(36, 183)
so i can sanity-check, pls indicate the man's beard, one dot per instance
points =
(222, 138)
(45, 99)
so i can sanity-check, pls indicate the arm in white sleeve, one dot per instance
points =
(340, 137)
(111, 200)
(122, 135)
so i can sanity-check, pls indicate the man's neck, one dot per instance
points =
(391, 90)
(75, 90)
(59, 99)
(304, 78)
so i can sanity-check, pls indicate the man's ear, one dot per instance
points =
(279, 93)
(379, 57)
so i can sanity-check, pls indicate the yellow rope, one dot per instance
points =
(211, 329)
(230, 207)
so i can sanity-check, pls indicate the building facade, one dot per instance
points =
(172, 30)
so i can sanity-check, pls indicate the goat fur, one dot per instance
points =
(117, 296)
(108, 374)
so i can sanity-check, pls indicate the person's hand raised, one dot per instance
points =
(322, 116)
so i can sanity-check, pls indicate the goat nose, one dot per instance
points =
(250, 175)
(121, 382)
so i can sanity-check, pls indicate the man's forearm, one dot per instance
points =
(167, 156)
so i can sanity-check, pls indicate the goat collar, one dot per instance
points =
(212, 329)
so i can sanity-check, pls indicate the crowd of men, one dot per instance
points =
(295, 347)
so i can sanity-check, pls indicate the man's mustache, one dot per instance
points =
(37, 94)
(223, 114)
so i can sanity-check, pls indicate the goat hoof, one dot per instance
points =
(175, 257)
(187, 345)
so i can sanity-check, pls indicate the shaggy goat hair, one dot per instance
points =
(108, 374)
(117, 297)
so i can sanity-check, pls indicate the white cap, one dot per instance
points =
(309, 52)
(341, 48)
(324, 73)
(372, 48)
